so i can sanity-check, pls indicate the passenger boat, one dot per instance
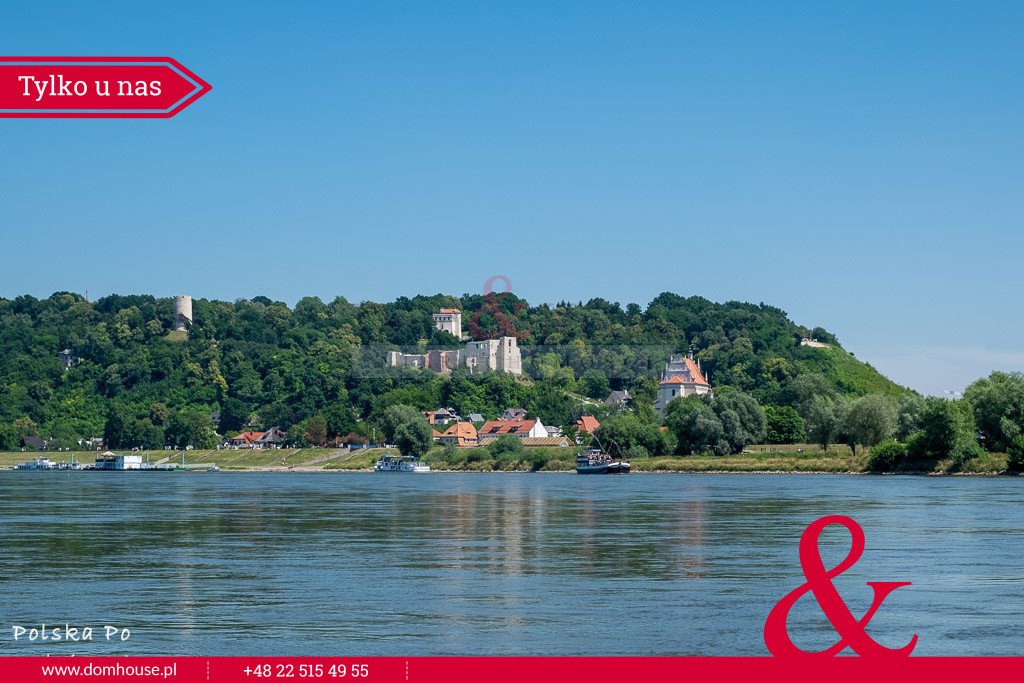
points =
(596, 462)
(400, 463)
(45, 464)
(37, 464)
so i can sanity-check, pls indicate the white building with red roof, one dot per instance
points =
(449, 320)
(459, 434)
(532, 429)
(682, 378)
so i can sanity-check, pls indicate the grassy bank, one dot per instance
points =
(275, 459)
(801, 458)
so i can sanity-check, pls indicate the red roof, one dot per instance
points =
(248, 437)
(450, 310)
(498, 427)
(461, 431)
(693, 371)
(587, 423)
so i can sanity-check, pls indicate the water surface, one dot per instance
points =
(507, 564)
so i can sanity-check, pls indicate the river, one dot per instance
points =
(497, 564)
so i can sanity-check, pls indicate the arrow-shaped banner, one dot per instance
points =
(96, 87)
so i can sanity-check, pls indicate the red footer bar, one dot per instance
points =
(504, 669)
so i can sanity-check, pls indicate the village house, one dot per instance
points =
(441, 416)
(588, 424)
(245, 439)
(513, 414)
(682, 378)
(271, 438)
(618, 398)
(35, 443)
(461, 434)
(522, 429)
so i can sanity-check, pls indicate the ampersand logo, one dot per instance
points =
(851, 630)
(492, 305)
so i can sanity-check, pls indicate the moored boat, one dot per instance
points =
(596, 462)
(37, 464)
(400, 463)
(45, 464)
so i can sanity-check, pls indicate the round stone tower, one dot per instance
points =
(182, 313)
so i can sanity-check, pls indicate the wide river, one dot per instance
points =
(508, 564)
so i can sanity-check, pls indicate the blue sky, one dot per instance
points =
(857, 164)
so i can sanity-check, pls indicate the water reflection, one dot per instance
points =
(495, 563)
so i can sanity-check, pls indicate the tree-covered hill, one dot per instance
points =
(260, 362)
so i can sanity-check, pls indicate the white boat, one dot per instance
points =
(45, 464)
(213, 468)
(400, 463)
(37, 464)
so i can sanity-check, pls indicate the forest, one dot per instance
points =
(73, 369)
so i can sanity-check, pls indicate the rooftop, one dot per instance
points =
(690, 374)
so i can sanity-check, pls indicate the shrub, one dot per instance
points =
(506, 446)
(537, 458)
(1015, 454)
(916, 446)
(964, 452)
(887, 456)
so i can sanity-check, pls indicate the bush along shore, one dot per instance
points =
(796, 458)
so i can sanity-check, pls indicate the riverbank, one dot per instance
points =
(766, 459)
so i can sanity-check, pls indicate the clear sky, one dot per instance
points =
(856, 164)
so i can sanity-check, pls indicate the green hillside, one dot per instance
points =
(127, 375)
(848, 374)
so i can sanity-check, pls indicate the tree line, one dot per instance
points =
(317, 370)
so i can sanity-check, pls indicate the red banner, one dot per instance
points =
(506, 669)
(96, 87)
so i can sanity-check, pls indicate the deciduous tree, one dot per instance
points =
(823, 416)
(783, 425)
(947, 431)
(998, 405)
(869, 420)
